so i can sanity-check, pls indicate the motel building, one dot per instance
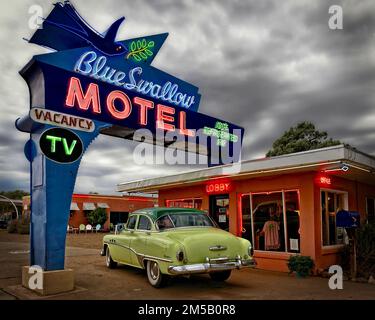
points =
(117, 208)
(297, 194)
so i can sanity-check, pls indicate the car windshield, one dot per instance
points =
(184, 220)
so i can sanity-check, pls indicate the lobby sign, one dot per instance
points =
(219, 186)
(93, 84)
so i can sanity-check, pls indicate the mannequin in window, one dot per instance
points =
(271, 232)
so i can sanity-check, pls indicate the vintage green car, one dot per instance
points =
(176, 241)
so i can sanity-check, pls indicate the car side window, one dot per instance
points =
(144, 223)
(131, 222)
(164, 223)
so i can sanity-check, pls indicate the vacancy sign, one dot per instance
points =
(62, 120)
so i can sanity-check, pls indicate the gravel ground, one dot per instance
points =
(82, 255)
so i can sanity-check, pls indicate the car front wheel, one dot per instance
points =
(108, 259)
(154, 275)
(220, 275)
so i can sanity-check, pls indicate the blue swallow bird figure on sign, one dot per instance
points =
(65, 29)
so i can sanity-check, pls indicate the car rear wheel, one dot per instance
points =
(220, 275)
(108, 259)
(154, 275)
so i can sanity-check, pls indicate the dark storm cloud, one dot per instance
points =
(264, 65)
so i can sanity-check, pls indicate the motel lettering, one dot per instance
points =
(120, 107)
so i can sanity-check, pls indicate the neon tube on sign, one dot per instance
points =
(96, 67)
(166, 118)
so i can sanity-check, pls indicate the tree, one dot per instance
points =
(97, 216)
(13, 195)
(302, 137)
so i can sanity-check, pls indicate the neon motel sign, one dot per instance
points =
(92, 84)
(120, 107)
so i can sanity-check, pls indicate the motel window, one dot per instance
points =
(271, 220)
(195, 203)
(370, 210)
(331, 203)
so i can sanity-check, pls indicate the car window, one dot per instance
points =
(184, 220)
(191, 220)
(131, 222)
(164, 223)
(144, 223)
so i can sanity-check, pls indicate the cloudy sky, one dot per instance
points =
(264, 65)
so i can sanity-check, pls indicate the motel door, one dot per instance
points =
(219, 210)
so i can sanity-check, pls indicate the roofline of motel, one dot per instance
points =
(324, 157)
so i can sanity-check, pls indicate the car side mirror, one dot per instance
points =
(119, 227)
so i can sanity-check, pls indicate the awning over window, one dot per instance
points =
(89, 206)
(73, 206)
(103, 205)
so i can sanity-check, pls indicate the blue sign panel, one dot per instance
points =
(91, 85)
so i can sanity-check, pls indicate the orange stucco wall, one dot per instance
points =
(115, 203)
(310, 215)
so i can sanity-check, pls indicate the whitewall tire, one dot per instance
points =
(154, 275)
(108, 259)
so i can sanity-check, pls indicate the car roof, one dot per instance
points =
(158, 212)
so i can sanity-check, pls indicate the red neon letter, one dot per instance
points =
(144, 106)
(125, 101)
(183, 130)
(162, 115)
(75, 92)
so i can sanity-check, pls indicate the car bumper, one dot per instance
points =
(211, 267)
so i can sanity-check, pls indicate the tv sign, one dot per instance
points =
(61, 145)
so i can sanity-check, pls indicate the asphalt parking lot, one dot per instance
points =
(95, 281)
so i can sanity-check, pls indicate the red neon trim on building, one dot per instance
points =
(239, 216)
(119, 95)
(75, 93)
(127, 198)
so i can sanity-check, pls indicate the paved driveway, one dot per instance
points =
(128, 283)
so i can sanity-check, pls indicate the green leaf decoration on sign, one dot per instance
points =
(141, 50)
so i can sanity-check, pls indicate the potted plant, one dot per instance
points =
(301, 265)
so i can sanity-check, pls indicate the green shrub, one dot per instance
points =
(302, 265)
(366, 250)
(97, 216)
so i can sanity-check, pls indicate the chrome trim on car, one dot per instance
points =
(217, 248)
(140, 256)
(210, 267)
(145, 256)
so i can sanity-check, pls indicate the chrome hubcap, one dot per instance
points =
(154, 270)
